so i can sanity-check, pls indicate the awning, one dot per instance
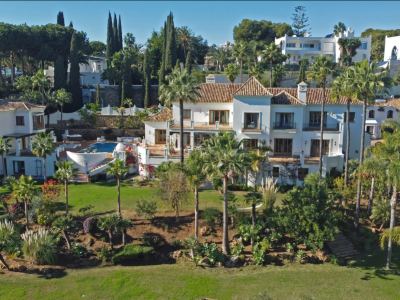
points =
(18, 135)
(371, 122)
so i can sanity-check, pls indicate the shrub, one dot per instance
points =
(239, 249)
(290, 247)
(300, 254)
(39, 247)
(176, 243)
(10, 240)
(151, 240)
(131, 251)
(104, 254)
(154, 109)
(89, 225)
(86, 211)
(285, 188)
(217, 183)
(212, 252)
(146, 208)
(211, 216)
(79, 250)
(193, 244)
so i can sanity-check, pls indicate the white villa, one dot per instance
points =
(288, 119)
(20, 121)
(309, 47)
(376, 114)
(90, 74)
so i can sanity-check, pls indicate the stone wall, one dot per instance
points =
(102, 121)
(110, 95)
(92, 134)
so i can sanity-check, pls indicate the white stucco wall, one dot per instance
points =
(85, 159)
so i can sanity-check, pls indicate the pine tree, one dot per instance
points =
(74, 77)
(59, 74)
(98, 94)
(60, 18)
(116, 35)
(188, 65)
(110, 40)
(146, 79)
(170, 51)
(161, 78)
(71, 24)
(120, 39)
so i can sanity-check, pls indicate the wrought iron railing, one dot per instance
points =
(280, 125)
(317, 126)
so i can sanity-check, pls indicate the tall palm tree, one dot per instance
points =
(122, 227)
(221, 57)
(41, 81)
(231, 72)
(343, 87)
(240, 52)
(42, 146)
(61, 98)
(367, 82)
(263, 151)
(109, 224)
(62, 225)
(375, 167)
(24, 189)
(182, 87)
(223, 154)
(111, 74)
(255, 48)
(65, 172)
(195, 176)
(256, 71)
(271, 53)
(319, 70)
(5, 147)
(118, 169)
(339, 28)
(23, 82)
(279, 74)
(254, 199)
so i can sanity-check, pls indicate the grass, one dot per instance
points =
(365, 279)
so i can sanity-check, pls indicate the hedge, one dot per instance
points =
(131, 251)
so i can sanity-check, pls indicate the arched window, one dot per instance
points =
(364, 56)
(371, 114)
(390, 114)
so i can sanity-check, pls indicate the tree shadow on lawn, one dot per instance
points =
(375, 264)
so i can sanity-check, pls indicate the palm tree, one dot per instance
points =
(367, 82)
(231, 72)
(272, 53)
(109, 224)
(240, 52)
(255, 48)
(288, 56)
(122, 226)
(62, 225)
(223, 154)
(320, 69)
(253, 199)
(110, 74)
(257, 71)
(5, 147)
(375, 168)
(263, 151)
(118, 169)
(339, 28)
(220, 57)
(195, 176)
(62, 97)
(24, 189)
(393, 234)
(381, 213)
(183, 37)
(279, 74)
(343, 87)
(42, 146)
(65, 172)
(181, 87)
(23, 82)
(41, 81)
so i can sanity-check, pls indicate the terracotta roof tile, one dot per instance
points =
(286, 99)
(162, 116)
(393, 102)
(15, 104)
(252, 87)
(217, 92)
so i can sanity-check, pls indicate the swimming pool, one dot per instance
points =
(103, 147)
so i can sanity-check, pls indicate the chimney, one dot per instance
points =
(302, 92)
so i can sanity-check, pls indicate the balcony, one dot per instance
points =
(317, 127)
(38, 126)
(284, 125)
(251, 126)
(188, 124)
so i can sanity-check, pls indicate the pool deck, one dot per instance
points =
(84, 145)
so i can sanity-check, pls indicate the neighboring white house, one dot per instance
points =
(288, 119)
(310, 47)
(20, 121)
(221, 78)
(90, 74)
(381, 111)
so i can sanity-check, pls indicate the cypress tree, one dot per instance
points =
(188, 65)
(126, 77)
(116, 35)
(170, 52)
(110, 40)
(98, 94)
(146, 79)
(59, 74)
(71, 24)
(161, 79)
(178, 64)
(74, 76)
(60, 18)
(301, 78)
(120, 39)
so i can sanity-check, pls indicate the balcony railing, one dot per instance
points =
(317, 126)
(280, 125)
(38, 126)
(251, 126)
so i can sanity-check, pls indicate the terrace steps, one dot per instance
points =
(342, 247)
(80, 177)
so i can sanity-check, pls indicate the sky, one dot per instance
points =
(214, 21)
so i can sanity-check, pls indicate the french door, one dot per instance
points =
(161, 136)
(315, 148)
(283, 147)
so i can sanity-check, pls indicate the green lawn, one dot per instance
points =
(364, 280)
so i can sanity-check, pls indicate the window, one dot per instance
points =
(283, 147)
(99, 67)
(352, 117)
(363, 46)
(187, 114)
(315, 118)
(370, 129)
(333, 171)
(364, 57)
(251, 121)
(309, 45)
(371, 114)
(161, 136)
(275, 171)
(291, 45)
(38, 122)
(302, 173)
(390, 114)
(284, 120)
(250, 143)
(315, 148)
(20, 121)
(222, 116)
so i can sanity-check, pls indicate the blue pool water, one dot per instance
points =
(103, 147)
